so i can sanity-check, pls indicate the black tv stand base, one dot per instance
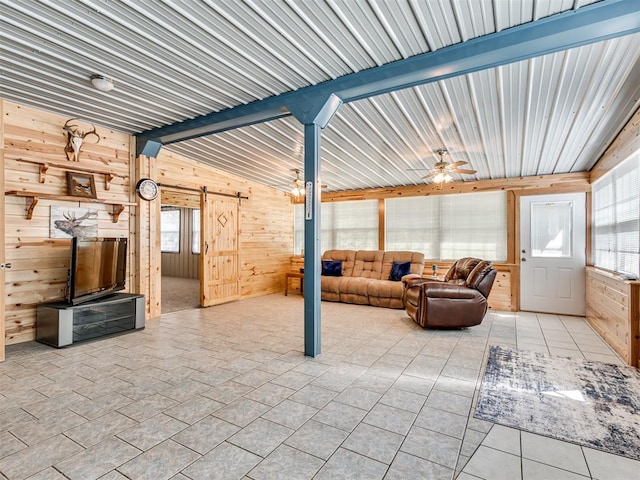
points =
(59, 324)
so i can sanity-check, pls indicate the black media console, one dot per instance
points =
(60, 324)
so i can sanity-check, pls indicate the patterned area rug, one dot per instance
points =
(593, 404)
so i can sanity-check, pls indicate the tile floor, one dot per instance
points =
(226, 393)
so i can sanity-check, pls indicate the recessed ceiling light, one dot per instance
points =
(102, 83)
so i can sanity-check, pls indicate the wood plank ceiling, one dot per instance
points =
(178, 59)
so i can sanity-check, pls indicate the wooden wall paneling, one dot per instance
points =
(634, 323)
(613, 304)
(559, 183)
(266, 241)
(153, 246)
(143, 263)
(133, 271)
(179, 198)
(155, 284)
(613, 307)
(266, 221)
(501, 296)
(38, 274)
(515, 279)
(40, 264)
(512, 230)
(2, 234)
(625, 144)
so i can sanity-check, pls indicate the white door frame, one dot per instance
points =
(550, 283)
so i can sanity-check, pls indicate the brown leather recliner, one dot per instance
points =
(460, 300)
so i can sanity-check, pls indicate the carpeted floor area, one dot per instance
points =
(179, 294)
(590, 403)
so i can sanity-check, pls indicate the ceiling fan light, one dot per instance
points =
(439, 178)
(297, 192)
(447, 178)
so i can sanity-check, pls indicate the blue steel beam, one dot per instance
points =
(317, 110)
(312, 252)
(314, 115)
(594, 23)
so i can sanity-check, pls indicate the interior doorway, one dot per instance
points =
(179, 294)
(553, 253)
(199, 240)
(180, 251)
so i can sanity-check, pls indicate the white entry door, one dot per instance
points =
(552, 253)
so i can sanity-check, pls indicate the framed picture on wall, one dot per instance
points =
(69, 222)
(81, 185)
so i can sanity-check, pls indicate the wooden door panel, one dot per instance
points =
(220, 257)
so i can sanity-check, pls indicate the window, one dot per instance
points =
(616, 218)
(448, 227)
(552, 229)
(344, 225)
(413, 224)
(195, 231)
(170, 230)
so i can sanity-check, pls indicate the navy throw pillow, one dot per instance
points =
(399, 270)
(332, 268)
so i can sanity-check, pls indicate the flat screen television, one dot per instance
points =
(97, 269)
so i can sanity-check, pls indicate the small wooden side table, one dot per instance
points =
(289, 275)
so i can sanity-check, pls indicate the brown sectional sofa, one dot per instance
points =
(365, 277)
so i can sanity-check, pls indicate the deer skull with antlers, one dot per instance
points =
(75, 138)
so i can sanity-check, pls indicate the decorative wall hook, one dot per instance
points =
(75, 138)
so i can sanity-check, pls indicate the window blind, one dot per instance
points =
(170, 230)
(344, 225)
(449, 227)
(616, 218)
(413, 224)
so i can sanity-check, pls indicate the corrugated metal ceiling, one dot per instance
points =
(175, 60)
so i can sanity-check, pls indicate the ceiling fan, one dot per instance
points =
(442, 170)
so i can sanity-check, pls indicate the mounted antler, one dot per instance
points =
(75, 138)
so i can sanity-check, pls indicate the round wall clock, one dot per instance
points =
(147, 189)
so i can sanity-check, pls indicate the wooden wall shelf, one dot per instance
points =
(44, 167)
(34, 197)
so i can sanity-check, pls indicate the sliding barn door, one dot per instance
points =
(220, 265)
